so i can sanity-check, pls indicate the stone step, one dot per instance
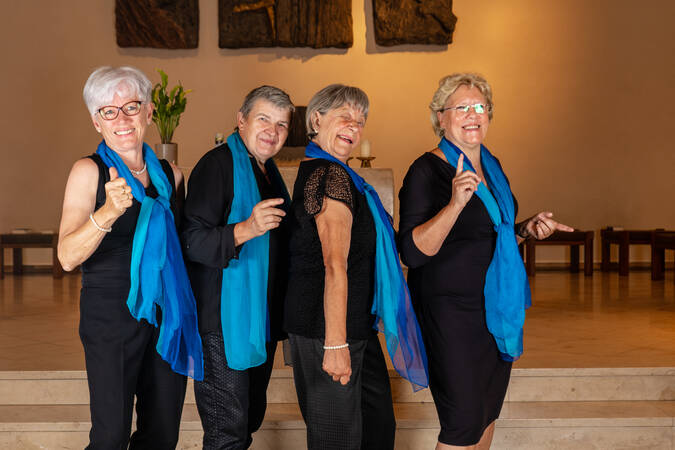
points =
(522, 425)
(602, 384)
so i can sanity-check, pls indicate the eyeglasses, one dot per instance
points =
(479, 108)
(111, 112)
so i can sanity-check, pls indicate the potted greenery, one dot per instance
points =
(168, 108)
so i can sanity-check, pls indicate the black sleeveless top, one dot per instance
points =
(110, 263)
(303, 313)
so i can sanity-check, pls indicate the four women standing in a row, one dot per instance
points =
(323, 268)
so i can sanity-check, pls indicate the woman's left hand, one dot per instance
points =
(542, 226)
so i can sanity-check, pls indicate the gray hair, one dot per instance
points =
(335, 96)
(448, 85)
(272, 94)
(105, 82)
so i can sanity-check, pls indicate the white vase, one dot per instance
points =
(168, 152)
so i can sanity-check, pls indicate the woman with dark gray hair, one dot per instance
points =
(465, 272)
(345, 282)
(236, 243)
(138, 321)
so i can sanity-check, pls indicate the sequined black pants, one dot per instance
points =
(231, 403)
(356, 416)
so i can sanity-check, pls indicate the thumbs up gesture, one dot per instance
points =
(117, 194)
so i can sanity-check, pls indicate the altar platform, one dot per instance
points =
(598, 371)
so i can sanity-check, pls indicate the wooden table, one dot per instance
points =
(623, 238)
(661, 240)
(30, 240)
(574, 239)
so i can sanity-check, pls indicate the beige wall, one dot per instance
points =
(584, 93)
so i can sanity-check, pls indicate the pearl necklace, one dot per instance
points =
(138, 172)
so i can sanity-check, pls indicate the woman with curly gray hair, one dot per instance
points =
(465, 274)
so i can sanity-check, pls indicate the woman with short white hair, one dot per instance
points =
(138, 321)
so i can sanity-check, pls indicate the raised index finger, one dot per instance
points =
(460, 165)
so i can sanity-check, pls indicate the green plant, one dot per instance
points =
(168, 107)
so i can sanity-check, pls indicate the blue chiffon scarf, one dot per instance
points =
(158, 274)
(244, 315)
(507, 292)
(391, 303)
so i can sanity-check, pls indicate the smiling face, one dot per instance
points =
(466, 130)
(265, 129)
(339, 130)
(124, 133)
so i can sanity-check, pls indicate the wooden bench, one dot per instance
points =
(661, 240)
(623, 238)
(18, 242)
(574, 239)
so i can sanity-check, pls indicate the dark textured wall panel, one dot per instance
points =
(413, 22)
(157, 23)
(285, 23)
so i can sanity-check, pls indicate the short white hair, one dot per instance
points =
(105, 82)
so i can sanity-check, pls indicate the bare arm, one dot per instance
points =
(334, 225)
(78, 237)
(429, 236)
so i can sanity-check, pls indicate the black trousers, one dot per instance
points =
(356, 416)
(231, 403)
(121, 363)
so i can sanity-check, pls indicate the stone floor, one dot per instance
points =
(575, 321)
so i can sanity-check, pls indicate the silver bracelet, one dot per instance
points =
(99, 227)
(335, 347)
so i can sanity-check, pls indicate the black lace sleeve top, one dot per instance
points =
(303, 312)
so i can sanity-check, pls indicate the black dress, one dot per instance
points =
(119, 351)
(468, 380)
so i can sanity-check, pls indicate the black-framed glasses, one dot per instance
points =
(479, 108)
(131, 108)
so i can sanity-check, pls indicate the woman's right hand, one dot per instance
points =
(464, 184)
(338, 364)
(264, 217)
(117, 194)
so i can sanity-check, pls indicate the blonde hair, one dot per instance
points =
(448, 85)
